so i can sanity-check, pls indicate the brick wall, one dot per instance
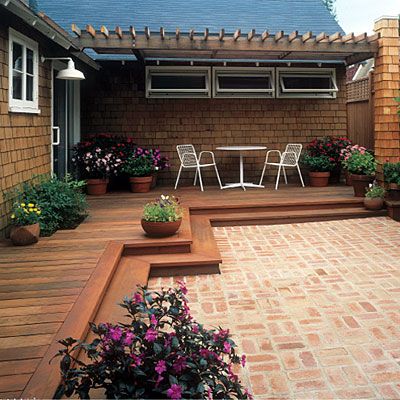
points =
(24, 138)
(114, 102)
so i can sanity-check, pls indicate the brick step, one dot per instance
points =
(296, 216)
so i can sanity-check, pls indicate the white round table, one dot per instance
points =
(241, 149)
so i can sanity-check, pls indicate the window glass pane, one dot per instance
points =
(178, 82)
(307, 82)
(29, 61)
(17, 56)
(244, 82)
(29, 88)
(17, 85)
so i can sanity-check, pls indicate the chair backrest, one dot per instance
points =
(187, 155)
(294, 148)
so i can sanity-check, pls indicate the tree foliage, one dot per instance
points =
(331, 6)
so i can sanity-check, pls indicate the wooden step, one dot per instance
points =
(291, 217)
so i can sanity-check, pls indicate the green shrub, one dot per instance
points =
(361, 164)
(318, 163)
(164, 209)
(375, 191)
(61, 201)
(391, 172)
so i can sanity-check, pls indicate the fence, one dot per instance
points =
(360, 111)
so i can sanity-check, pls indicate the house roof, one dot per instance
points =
(271, 15)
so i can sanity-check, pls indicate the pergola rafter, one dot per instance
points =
(223, 45)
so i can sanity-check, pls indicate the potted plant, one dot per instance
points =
(374, 197)
(362, 167)
(319, 169)
(95, 166)
(160, 163)
(162, 353)
(162, 217)
(25, 227)
(391, 173)
(139, 168)
(345, 155)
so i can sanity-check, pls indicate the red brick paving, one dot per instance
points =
(315, 307)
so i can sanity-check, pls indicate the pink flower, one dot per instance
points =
(227, 347)
(209, 394)
(151, 335)
(179, 365)
(195, 328)
(115, 334)
(153, 319)
(243, 360)
(183, 287)
(137, 360)
(160, 367)
(129, 338)
(174, 392)
(138, 298)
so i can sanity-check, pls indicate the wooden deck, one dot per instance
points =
(53, 288)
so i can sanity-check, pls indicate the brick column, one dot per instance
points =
(387, 86)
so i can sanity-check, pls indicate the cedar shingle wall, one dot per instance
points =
(114, 103)
(24, 138)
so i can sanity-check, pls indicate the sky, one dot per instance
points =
(358, 16)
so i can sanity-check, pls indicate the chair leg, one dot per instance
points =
(219, 179)
(301, 177)
(177, 178)
(195, 178)
(200, 180)
(284, 174)
(262, 174)
(277, 178)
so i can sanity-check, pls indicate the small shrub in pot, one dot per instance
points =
(374, 197)
(391, 173)
(25, 227)
(319, 169)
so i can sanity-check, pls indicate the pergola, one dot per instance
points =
(260, 47)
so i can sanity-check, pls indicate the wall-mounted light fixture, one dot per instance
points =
(70, 73)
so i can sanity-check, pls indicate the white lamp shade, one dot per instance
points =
(70, 73)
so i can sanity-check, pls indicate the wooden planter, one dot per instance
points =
(393, 192)
(361, 183)
(25, 235)
(96, 187)
(347, 177)
(319, 179)
(140, 184)
(154, 180)
(161, 229)
(394, 209)
(373, 203)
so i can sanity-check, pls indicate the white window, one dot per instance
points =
(23, 73)
(178, 82)
(306, 82)
(243, 82)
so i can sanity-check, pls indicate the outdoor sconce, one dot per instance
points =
(70, 73)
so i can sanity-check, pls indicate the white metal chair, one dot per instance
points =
(188, 157)
(289, 158)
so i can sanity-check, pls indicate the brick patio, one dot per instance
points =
(315, 306)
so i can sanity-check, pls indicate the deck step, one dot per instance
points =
(279, 217)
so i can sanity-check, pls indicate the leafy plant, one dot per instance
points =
(25, 214)
(361, 163)
(164, 209)
(391, 172)
(139, 165)
(375, 191)
(162, 353)
(330, 146)
(318, 163)
(62, 203)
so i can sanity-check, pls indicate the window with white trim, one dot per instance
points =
(23, 73)
(177, 82)
(306, 83)
(243, 82)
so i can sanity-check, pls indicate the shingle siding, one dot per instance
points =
(273, 15)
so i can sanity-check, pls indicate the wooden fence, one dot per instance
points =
(360, 111)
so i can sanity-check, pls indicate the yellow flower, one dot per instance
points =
(12, 216)
(22, 204)
(35, 209)
(31, 209)
(39, 212)
(31, 205)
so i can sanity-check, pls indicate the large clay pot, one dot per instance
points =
(361, 183)
(394, 192)
(161, 229)
(25, 235)
(373, 203)
(140, 184)
(319, 179)
(96, 187)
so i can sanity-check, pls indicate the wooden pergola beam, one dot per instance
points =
(206, 33)
(91, 31)
(118, 32)
(191, 34)
(293, 36)
(335, 37)
(373, 38)
(264, 36)
(162, 33)
(251, 35)
(306, 37)
(147, 32)
(360, 38)
(348, 38)
(104, 31)
(320, 37)
(76, 30)
(237, 34)
(221, 34)
(132, 32)
(278, 36)
(177, 33)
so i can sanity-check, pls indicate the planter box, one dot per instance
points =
(394, 209)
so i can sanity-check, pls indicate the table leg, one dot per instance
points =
(241, 171)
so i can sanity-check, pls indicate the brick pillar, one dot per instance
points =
(387, 86)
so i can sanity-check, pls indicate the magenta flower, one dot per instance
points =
(115, 334)
(151, 335)
(227, 347)
(209, 394)
(153, 319)
(180, 364)
(243, 360)
(182, 287)
(129, 338)
(138, 298)
(195, 328)
(136, 360)
(160, 367)
(174, 392)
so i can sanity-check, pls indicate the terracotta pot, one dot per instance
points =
(154, 180)
(373, 203)
(361, 183)
(96, 187)
(161, 229)
(25, 235)
(394, 192)
(347, 177)
(335, 175)
(140, 184)
(319, 179)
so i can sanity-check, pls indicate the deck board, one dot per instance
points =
(40, 284)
